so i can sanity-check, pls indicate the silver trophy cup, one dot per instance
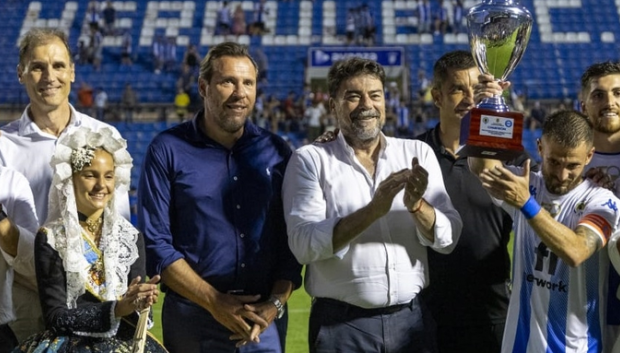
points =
(498, 34)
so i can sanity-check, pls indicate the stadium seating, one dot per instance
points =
(568, 36)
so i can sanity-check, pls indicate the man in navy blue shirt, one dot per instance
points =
(211, 211)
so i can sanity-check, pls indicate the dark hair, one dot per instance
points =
(351, 67)
(569, 128)
(223, 49)
(454, 60)
(39, 36)
(598, 70)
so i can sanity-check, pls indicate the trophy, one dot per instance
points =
(498, 34)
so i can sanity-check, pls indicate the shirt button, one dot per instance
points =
(235, 178)
(238, 207)
(242, 235)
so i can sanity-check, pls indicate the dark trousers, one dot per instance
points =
(340, 327)
(8, 341)
(188, 328)
(470, 339)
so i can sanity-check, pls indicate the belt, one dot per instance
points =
(355, 310)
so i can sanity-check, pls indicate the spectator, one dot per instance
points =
(93, 15)
(458, 16)
(223, 20)
(350, 26)
(404, 126)
(96, 48)
(101, 104)
(82, 55)
(273, 113)
(126, 48)
(368, 25)
(537, 116)
(170, 54)
(159, 53)
(181, 104)
(129, 101)
(425, 17)
(186, 79)
(288, 108)
(261, 11)
(85, 98)
(441, 18)
(109, 17)
(314, 118)
(191, 58)
(239, 26)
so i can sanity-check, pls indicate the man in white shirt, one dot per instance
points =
(46, 70)
(360, 211)
(17, 219)
(561, 221)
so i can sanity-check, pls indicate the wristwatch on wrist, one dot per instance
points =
(275, 301)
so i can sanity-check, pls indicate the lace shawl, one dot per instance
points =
(118, 237)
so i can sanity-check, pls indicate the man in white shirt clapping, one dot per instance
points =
(360, 211)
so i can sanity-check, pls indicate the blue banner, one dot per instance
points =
(325, 57)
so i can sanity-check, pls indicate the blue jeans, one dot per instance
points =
(188, 328)
(340, 327)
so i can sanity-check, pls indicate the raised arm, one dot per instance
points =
(573, 246)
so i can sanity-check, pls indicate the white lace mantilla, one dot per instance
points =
(119, 253)
(118, 237)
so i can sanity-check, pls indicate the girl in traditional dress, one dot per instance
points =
(89, 261)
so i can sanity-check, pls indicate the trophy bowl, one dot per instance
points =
(499, 31)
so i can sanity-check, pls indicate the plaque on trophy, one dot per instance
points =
(498, 34)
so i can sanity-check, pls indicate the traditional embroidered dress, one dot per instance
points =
(79, 281)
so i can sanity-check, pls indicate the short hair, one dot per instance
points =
(352, 67)
(454, 60)
(569, 128)
(220, 50)
(598, 70)
(37, 37)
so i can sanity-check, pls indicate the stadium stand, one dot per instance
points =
(568, 35)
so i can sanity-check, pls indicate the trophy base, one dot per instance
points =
(489, 152)
(490, 134)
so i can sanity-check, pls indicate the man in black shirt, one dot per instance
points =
(468, 292)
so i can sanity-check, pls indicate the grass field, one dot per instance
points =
(299, 310)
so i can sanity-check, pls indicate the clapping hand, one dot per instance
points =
(502, 184)
(416, 185)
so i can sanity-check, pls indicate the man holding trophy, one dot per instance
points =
(561, 220)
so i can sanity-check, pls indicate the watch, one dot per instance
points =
(275, 301)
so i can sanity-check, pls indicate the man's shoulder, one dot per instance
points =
(409, 144)
(12, 128)
(95, 124)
